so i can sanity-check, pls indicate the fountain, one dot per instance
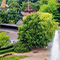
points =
(55, 47)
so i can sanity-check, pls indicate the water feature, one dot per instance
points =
(55, 47)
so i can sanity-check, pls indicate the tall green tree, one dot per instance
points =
(51, 7)
(13, 14)
(3, 15)
(42, 2)
(20, 1)
(35, 6)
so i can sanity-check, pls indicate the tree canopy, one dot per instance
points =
(51, 7)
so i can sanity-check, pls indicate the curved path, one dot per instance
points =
(41, 55)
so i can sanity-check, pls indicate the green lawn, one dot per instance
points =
(12, 57)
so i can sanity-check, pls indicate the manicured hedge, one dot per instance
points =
(7, 50)
(9, 46)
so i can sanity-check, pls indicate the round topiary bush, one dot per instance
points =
(37, 30)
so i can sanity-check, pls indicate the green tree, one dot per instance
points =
(24, 6)
(13, 14)
(51, 7)
(42, 2)
(3, 15)
(21, 1)
(4, 40)
(37, 30)
(14, 4)
(35, 6)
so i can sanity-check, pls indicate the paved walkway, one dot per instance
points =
(13, 36)
(9, 30)
(41, 55)
(12, 33)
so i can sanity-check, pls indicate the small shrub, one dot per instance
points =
(4, 40)
(20, 48)
(12, 21)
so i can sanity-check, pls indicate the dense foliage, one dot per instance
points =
(14, 4)
(51, 7)
(35, 6)
(4, 40)
(20, 47)
(20, 1)
(37, 30)
(13, 14)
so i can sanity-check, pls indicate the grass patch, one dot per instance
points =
(12, 57)
(4, 32)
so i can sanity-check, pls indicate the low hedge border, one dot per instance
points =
(9, 46)
(7, 50)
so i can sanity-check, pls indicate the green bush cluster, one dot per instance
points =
(52, 6)
(19, 47)
(11, 21)
(13, 14)
(7, 50)
(4, 40)
(37, 30)
(35, 6)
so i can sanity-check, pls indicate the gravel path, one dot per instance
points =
(9, 30)
(41, 55)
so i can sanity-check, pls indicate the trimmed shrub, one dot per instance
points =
(20, 48)
(7, 50)
(37, 30)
